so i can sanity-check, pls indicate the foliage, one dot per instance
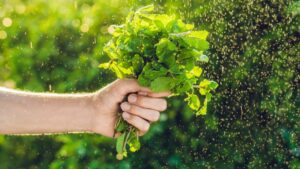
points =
(161, 52)
(253, 121)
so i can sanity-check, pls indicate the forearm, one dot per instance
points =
(38, 113)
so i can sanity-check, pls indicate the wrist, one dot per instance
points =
(101, 119)
(84, 108)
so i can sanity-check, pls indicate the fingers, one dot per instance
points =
(141, 124)
(147, 114)
(158, 104)
(142, 109)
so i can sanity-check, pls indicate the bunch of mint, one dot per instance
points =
(162, 52)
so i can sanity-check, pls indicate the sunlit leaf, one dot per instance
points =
(193, 102)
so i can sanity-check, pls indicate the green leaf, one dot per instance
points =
(177, 26)
(148, 8)
(203, 87)
(143, 81)
(151, 73)
(213, 85)
(196, 43)
(117, 71)
(194, 102)
(197, 71)
(183, 86)
(199, 34)
(111, 50)
(165, 51)
(137, 64)
(159, 24)
(121, 127)
(203, 91)
(160, 20)
(204, 83)
(133, 44)
(105, 65)
(203, 109)
(162, 84)
(120, 71)
(186, 58)
(164, 19)
(208, 97)
(206, 86)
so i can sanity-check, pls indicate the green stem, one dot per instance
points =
(127, 137)
(117, 124)
(196, 86)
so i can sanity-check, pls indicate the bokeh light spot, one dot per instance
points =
(84, 28)
(7, 22)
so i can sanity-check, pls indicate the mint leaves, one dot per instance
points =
(162, 52)
(162, 84)
(165, 52)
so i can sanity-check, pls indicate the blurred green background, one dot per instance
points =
(253, 120)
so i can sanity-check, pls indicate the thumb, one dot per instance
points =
(126, 86)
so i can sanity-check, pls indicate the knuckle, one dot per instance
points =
(133, 109)
(139, 100)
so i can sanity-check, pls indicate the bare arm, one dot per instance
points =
(41, 113)
(35, 113)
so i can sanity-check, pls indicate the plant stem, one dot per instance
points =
(196, 86)
(127, 137)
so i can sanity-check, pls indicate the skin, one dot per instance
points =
(47, 113)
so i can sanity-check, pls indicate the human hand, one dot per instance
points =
(141, 108)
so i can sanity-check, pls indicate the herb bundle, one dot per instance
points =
(162, 53)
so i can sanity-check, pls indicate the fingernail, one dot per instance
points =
(143, 93)
(125, 115)
(132, 98)
(125, 106)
